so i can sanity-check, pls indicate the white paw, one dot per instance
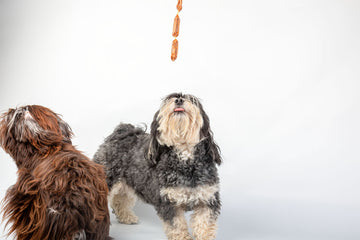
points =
(180, 236)
(128, 218)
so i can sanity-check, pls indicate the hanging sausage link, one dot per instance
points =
(176, 29)
(174, 49)
(179, 5)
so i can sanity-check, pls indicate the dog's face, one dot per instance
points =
(32, 130)
(180, 120)
(181, 123)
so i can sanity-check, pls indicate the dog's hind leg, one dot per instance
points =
(122, 199)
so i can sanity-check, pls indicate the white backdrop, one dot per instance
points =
(279, 80)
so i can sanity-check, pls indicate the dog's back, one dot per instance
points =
(60, 194)
(64, 197)
(124, 148)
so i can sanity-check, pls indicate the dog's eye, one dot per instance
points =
(193, 100)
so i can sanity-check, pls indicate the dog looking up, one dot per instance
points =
(173, 168)
(59, 194)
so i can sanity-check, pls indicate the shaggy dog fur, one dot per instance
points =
(59, 194)
(172, 168)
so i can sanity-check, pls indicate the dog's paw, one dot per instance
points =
(188, 237)
(128, 218)
(180, 236)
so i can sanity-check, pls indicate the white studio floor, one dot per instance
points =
(255, 221)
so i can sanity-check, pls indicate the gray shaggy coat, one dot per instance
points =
(150, 169)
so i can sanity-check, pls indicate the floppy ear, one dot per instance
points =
(154, 146)
(65, 130)
(205, 133)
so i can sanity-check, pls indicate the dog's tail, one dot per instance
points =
(124, 135)
(124, 130)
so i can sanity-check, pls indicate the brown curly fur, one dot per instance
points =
(59, 193)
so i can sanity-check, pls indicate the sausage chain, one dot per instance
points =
(175, 33)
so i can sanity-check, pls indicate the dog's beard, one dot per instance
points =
(179, 129)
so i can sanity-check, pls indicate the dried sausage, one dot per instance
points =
(175, 33)
(174, 49)
(179, 5)
(176, 26)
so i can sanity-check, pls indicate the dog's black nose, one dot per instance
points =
(179, 101)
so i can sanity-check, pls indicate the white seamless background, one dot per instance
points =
(278, 79)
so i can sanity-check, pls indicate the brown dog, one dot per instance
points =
(59, 194)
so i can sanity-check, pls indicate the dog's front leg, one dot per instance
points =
(203, 224)
(203, 220)
(174, 221)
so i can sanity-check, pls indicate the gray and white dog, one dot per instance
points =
(172, 168)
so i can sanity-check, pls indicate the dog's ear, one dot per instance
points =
(205, 133)
(65, 130)
(153, 153)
